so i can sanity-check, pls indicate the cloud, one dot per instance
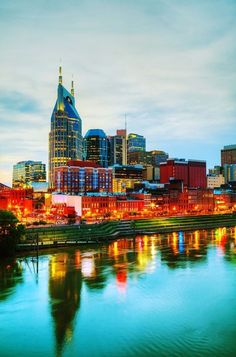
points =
(170, 65)
(17, 102)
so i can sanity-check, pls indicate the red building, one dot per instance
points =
(192, 172)
(19, 201)
(79, 177)
(187, 201)
(129, 205)
(174, 169)
(197, 174)
(98, 205)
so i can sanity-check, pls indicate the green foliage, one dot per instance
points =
(10, 233)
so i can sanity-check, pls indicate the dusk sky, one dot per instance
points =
(170, 65)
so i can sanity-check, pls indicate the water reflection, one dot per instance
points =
(10, 276)
(114, 266)
(64, 292)
(92, 268)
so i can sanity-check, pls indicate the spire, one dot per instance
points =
(60, 101)
(60, 75)
(72, 91)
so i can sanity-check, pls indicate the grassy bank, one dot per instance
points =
(96, 233)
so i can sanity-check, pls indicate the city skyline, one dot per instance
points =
(172, 73)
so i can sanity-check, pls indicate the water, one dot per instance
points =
(172, 295)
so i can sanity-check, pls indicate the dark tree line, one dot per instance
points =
(10, 233)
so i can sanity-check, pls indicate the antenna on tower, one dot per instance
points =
(60, 75)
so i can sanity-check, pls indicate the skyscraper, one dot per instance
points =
(228, 155)
(96, 147)
(118, 148)
(27, 172)
(65, 137)
(136, 143)
(230, 172)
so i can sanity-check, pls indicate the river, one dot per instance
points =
(162, 295)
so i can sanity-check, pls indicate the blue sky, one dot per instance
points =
(169, 64)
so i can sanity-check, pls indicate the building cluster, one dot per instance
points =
(113, 176)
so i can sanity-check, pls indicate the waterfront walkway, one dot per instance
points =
(111, 230)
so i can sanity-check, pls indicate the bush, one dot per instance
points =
(10, 233)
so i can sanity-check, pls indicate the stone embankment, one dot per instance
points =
(97, 233)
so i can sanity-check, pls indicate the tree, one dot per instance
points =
(10, 233)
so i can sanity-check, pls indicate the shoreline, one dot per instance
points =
(72, 235)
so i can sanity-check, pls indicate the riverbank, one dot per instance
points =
(64, 235)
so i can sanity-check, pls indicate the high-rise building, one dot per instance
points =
(117, 148)
(136, 142)
(27, 172)
(154, 157)
(65, 137)
(139, 158)
(228, 155)
(230, 172)
(158, 156)
(191, 172)
(96, 147)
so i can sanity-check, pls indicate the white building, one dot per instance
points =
(215, 180)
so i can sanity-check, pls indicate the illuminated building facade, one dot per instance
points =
(154, 157)
(65, 137)
(125, 177)
(139, 158)
(136, 142)
(96, 147)
(158, 156)
(98, 205)
(192, 172)
(27, 172)
(19, 200)
(79, 177)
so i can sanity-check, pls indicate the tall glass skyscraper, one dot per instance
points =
(95, 147)
(136, 143)
(27, 172)
(65, 137)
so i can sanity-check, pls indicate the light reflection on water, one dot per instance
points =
(158, 295)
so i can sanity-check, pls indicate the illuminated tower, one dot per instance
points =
(136, 143)
(65, 137)
(95, 147)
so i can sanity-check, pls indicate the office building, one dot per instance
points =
(96, 147)
(154, 157)
(125, 177)
(228, 155)
(229, 172)
(65, 137)
(158, 156)
(136, 143)
(118, 148)
(27, 172)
